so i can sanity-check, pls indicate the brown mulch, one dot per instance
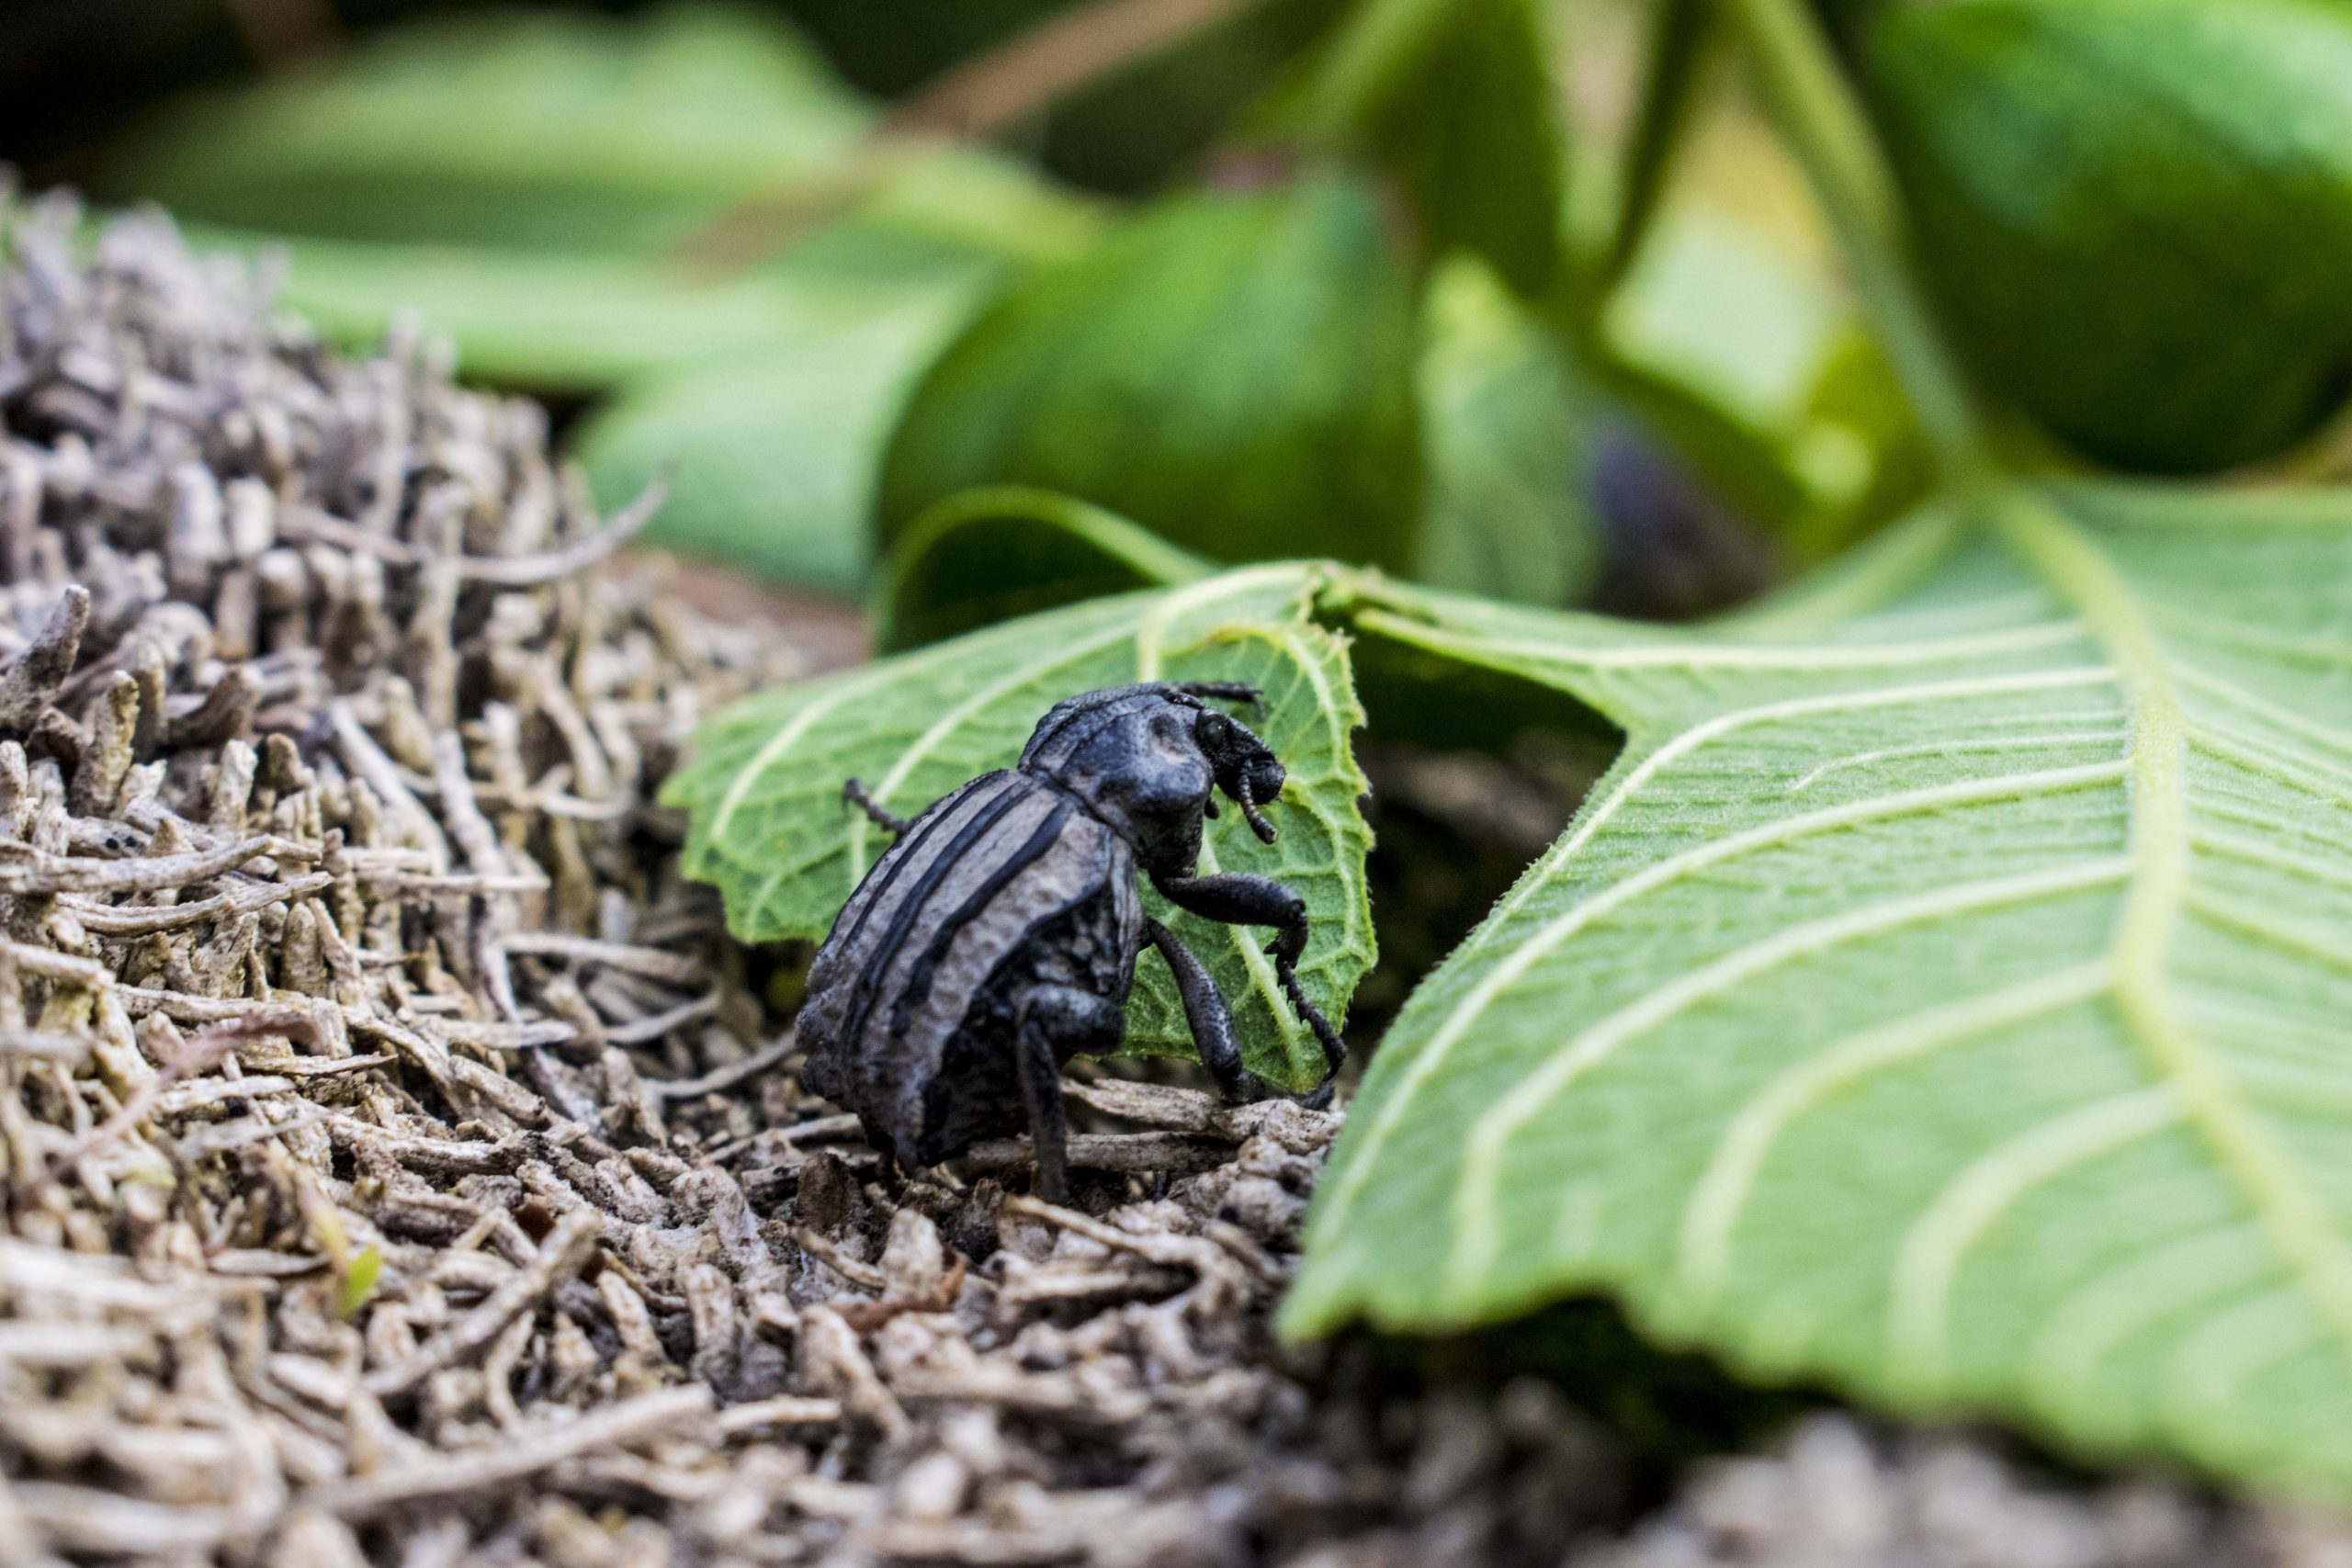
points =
(401, 1167)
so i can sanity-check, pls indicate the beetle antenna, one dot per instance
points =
(1226, 692)
(1259, 824)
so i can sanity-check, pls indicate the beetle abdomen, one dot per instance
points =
(931, 925)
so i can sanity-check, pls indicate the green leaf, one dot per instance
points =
(774, 456)
(1456, 100)
(583, 323)
(1233, 372)
(2137, 214)
(565, 133)
(511, 128)
(989, 555)
(1942, 998)
(1712, 303)
(1759, 368)
(771, 831)
(1139, 127)
(1510, 432)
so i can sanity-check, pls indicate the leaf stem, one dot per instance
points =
(1680, 33)
(1038, 68)
(1808, 94)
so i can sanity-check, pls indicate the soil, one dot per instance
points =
(400, 1165)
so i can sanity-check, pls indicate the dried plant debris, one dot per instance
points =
(400, 1167)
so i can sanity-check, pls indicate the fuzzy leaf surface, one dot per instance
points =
(771, 829)
(1944, 996)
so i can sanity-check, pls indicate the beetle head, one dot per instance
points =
(1245, 768)
(1129, 754)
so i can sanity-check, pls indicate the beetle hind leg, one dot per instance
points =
(1224, 690)
(857, 794)
(1054, 1024)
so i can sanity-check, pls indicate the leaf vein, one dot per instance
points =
(2296, 1219)
(1343, 1185)
(1478, 1240)
(1928, 1258)
(1712, 1216)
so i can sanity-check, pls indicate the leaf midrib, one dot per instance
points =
(2156, 894)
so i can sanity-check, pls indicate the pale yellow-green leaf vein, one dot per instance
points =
(2280, 1195)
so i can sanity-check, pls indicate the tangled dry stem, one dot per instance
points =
(399, 1167)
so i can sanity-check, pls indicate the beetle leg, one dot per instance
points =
(1241, 898)
(1206, 1012)
(1224, 690)
(1041, 1095)
(855, 792)
(1052, 1024)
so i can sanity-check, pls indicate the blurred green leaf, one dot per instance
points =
(1757, 368)
(531, 131)
(2137, 213)
(1858, 424)
(512, 127)
(1510, 436)
(774, 455)
(1233, 371)
(1455, 100)
(1681, 32)
(582, 322)
(521, 183)
(1132, 130)
(1711, 305)
(975, 198)
(992, 554)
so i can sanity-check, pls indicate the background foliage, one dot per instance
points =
(684, 218)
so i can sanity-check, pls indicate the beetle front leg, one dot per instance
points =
(1241, 898)
(1205, 1012)
(1052, 1024)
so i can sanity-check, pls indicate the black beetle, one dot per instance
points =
(998, 938)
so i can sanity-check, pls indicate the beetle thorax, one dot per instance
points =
(1137, 768)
